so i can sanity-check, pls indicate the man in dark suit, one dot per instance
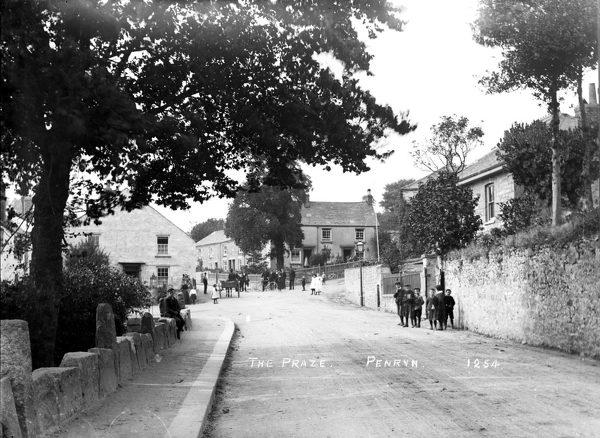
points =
(265, 279)
(292, 278)
(173, 311)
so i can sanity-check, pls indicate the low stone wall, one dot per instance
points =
(371, 280)
(37, 403)
(549, 296)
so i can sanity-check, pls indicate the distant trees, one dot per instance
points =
(203, 229)
(268, 216)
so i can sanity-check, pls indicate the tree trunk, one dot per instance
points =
(556, 195)
(279, 249)
(587, 199)
(49, 201)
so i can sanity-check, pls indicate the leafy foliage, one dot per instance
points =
(450, 143)
(256, 263)
(85, 249)
(164, 99)
(546, 44)
(203, 229)
(320, 258)
(525, 152)
(519, 213)
(442, 214)
(86, 285)
(271, 215)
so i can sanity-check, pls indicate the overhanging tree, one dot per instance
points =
(442, 214)
(164, 98)
(545, 46)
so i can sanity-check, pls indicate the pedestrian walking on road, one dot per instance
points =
(313, 284)
(215, 294)
(430, 309)
(417, 308)
(319, 284)
(449, 303)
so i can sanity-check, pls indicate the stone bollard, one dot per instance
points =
(15, 362)
(108, 381)
(147, 325)
(181, 300)
(89, 375)
(160, 337)
(9, 421)
(125, 361)
(106, 333)
(138, 350)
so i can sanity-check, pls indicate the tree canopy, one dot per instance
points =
(442, 214)
(203, 229)
(271, 216)
(545, 45)
(524, 151)
(164, 99)
(450, 143)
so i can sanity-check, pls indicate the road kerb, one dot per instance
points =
(191, 417)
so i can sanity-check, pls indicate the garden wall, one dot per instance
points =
(371, 280)
(36, 403)
(547, 296)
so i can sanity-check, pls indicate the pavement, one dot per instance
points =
(174, 395)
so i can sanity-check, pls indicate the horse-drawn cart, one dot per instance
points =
(229, 286)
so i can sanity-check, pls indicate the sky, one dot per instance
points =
(429, 70)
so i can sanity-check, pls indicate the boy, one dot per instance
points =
(449, 303)
(430, 309)
(417, 308)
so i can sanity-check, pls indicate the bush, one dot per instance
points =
(86, 285)
(519, 214)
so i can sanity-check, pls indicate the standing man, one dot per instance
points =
(407, 304)
(265, 279)
(399, 297)
(450, 303)
(292, 278)
(430, 309)
(440, 306)
(205, 283)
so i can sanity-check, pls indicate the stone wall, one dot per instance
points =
(548, 297)
(371, 280)
(37, 402)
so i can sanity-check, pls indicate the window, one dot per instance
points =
(210, 252)
(224, 250)
(295, 256)
(163, 275)
(163, 245)
(360, 234)
(326, 234)
(94, 239)
(489, 202)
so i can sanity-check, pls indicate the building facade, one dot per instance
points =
(144, 244)
(345, 229)
(217, 251)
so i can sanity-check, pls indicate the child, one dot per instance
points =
(303, 282)
(319, 284)
(313, 284)
(430, 309)
(417, 308)
(215, 294)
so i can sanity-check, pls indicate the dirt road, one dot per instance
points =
(317, 366)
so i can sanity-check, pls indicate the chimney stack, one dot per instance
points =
(593, 100)
(307, 201)
(369, 197)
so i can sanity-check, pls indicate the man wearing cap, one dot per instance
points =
(173, 311)
(399, 297)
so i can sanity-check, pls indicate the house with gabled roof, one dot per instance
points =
(488, 179)
(217, 251)
(340, 227)
(145, 244)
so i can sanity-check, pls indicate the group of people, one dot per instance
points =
(278, 277)
(316, 284)
(439, 307)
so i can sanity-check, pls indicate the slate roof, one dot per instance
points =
(214, 237)
(338, 214)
